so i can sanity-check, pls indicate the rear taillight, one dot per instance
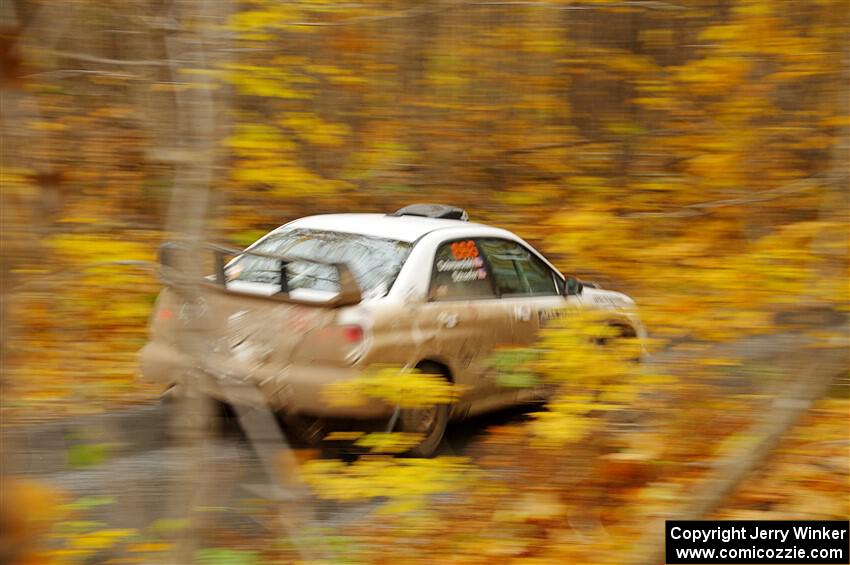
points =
(163, 317)
(342, 344)
(345, 334)
(352, 334)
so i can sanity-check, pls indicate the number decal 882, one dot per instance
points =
(464, 250)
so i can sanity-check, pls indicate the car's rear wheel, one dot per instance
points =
(220, 421)
(304, 430)
(430, 421)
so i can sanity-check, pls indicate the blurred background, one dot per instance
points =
(692, 153)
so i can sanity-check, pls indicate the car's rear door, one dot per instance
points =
(462, 320)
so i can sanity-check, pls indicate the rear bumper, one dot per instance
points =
(295, 389)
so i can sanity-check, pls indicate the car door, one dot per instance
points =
(462, 321)
(529, 292)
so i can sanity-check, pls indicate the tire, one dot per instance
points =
(431, 421)
(303, 431)
(221, 420)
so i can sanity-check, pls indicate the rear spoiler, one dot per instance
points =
(172, 274)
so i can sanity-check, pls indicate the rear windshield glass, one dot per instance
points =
(374, 262)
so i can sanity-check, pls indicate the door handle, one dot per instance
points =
(447, 319)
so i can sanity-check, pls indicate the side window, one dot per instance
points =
(460, 272)
(517, 271)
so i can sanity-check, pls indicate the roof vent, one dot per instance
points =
(433, 211)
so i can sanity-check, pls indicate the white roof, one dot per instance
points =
(399, 228)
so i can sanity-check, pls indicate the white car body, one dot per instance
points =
(277, 336)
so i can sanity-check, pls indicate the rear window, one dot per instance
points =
(374, 262)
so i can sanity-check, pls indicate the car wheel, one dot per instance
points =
(430, 421)
(221, 420)
(304, 431)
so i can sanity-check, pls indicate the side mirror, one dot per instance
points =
(573, 287)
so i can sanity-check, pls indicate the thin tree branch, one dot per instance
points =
(67, 73)
(579, 6)
(105, 61)
(53, 278)
(419, 10)
(544, 146)
(701, 208)
(423, 10)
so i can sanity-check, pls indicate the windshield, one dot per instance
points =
(374, 262)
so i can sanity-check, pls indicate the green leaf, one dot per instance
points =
(226, 557)
(88, 454)
(87, 502)
(517, 380)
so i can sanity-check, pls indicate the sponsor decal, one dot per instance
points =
(189, 311)
(548, 314)
(466, 276)
(522, 313)
(460, 265)
(464, 249)
(464, 269)
(609, 300)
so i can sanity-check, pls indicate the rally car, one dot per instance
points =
(322, 298)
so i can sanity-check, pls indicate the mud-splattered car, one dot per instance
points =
(321, 298)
